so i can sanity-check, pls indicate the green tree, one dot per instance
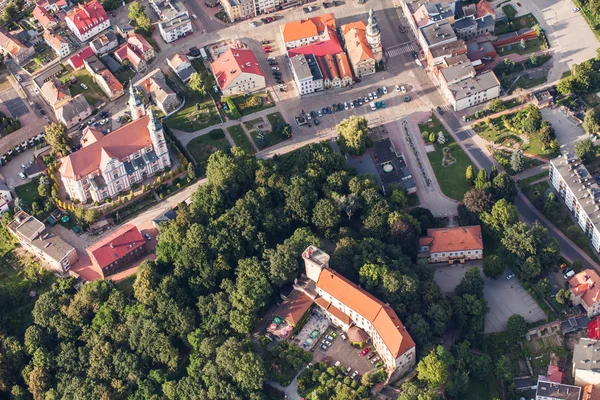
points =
(144, 24)
(326, 217)
(372, 378)
(503, 215)
(198, 84)
(353, 134)
(110, 5)
(516, 160)
(469, 175)
(478, 200)
(591, 121)
(533, 60)
(496, 105)
(585, 150)
(516, 326)
(482, 181)
(458, 385)
(493, 266)
(504, 369)
(420, 330)
(563, 296)
(544, 287)
(191, 170)
(504, 187)
(433, 370)
(56, 137)
(432, 137)
(135, 10)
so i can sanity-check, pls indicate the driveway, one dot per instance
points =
(568, 132)
(348, 356)
(504, 298)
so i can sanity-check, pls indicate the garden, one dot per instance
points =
(280, 131)
(525, 21)
(203, 146)
(240, 139)
(530, 46)
(449, 161)
(93, 94)
(198, 113)
(504, 159)
(43, 55)
(253, 103)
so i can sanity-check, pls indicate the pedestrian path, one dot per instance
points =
(402, 49)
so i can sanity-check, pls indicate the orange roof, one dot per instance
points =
(54, 40)
(343, 65)
(116, 246)
(113, 84)
(336, 312)
(322, 302)
(356, 42)
(332, 66)
(120, 143)
(383, 318)
(354, 25)
(305, 28)
(484, 8)
(90, 135)
(233, 63)
(140, 44)
(587, 285)
(294, 307)
(454, 239)
(11, 43)
(43, 16)
(590, 392)
(130, 53)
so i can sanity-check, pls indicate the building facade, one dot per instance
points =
(175, 28)
(73, 111)
(117, 250)
(452, 245)
(19, 52)
(58, 44)
(238, 10)
(87, 20)
(307, 31)
(586, 358)
(472, 91)
(237, 72)
(307, 74)
(104, 43)
(109, 165)
(585, 291)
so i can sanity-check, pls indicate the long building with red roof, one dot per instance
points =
(237, 72)
(87, 20)
(117, 250)
(355, 310)
(451, 245)
(306, 31)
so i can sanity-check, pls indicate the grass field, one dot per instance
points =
(271, 138)
(198, 113)
(531, 46)
(239, 137)
(37, 61)
(92, 94)
(27, 192)
(252, 123)
(241, 101)
(524, 83)
(203, 146)
(524, 21)
(452, 177)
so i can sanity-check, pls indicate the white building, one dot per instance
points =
(237, 72)
(58, 44)
(168, 9)
(471, 91)
(580, 193)
(175, 28)
(359, 313)
(586, 362)
(452, 244)
(87, 20)
(307, 74)
(556, 391)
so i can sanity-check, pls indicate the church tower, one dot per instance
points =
(136, 107)
(157, 135)
(374, 36)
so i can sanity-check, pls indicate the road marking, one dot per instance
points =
(401, 50)
(398, 45)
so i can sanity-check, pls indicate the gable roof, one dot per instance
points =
(384, 319)
(177, 60)
(55, 92)
(484, 8)
(55, 41)
(234, 62)
(120, 143)
(305, 28)
(139, 43)
(10, 43)
(343, 65)
(116, 245)
(77, 59)
(90, 135)
(587, 285)
(85, 16)
(129, 52)
(331, 45)
(453, 239)
(72, 108)
(111, 81)
(156, 85)
(43, 16)
(356, 42)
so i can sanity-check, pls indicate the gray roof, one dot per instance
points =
(111, 63)
(52, 245)
(25, 225)
(416, 4)
(48, 74)
(573, 179)
(511, 35)
(465, 23)
(458, 72)
(438, 33)
(470, 86)
(385, 153)
(448, 49)
(170, 8)
(3, 186)
(314, 67)
(174, 23)
(73, 107)
(94, 64)
(485, 22)
(165, 217)
(184, 74)
(558, 391)
(300, 67)
(586, 355)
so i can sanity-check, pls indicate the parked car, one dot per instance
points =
(576, 9)
(83, 85)
(374, 95)
(337, 364)
(373, 361)
(365, 351)
(332, 333)
(440, 111)
(266, 41)
(320, 113)
(274, 68)
(379, 91)
(194, 16)
(270, 58)
(267, 50)
(407, 98)
(346, 106)
(373, 107)
(22, 175)
(383, 104)
(510, 276)
(371, 355)
(313, 114)
(147, 236)
(316, 121)
(384, 89)
(348, 371)
(323, 347)
(253, 24)
(326, 342)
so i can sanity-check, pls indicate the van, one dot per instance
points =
(373, 108)
(568, 274)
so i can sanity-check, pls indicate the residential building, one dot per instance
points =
(434, 35)
(117, 250)
(307, 74)
(328, 44)
(360, 52)
(55, 93)
(329, 69)
(154, 86)
(238, 10)
(77, 60)
(53, 5)
(482, 50)
(556, 391)
(57, 43)
(108, 165)
(141, 46)
(237, 72)
(585, 290)
(471, 27)
(14, 48)
(455, 73)
(306, 31)
(437, 55)
(104, 43)
(355, 310)
(586, 362)
(93, 65)
(485, 8)
(168, 9)
(73, 111)
(472, 91)
(125, 30)
(5, 192)
(344, 69)
(87, 20)
(109, 84)
(128, 52)
(175, 28)
(452, 244)
(580, 193)
(42, 243)
(181, 65)
(422, 12)
(590, 392)
(44, 18)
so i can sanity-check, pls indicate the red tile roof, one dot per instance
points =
(43, 16)
(139, 43)
(587, 285)
(355, 35)
(343, 65)
(55, 41)
(86, 16)
(120, 143)
(594, 329)
(294, 307)
(484, 8)
(128, 52)
(234, 62)
(11, 43)
(453, 239)
(384, 319)
(306, 28)
(116, 246)
(113, 84)
(329, 46)
(77, 59)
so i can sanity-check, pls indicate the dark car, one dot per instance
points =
(316, 121)
(360, 102)
(355, 103)
(313, 114)
(266, 41)
(273, 63)
(37, 105)
(329, 110)
(324, 110)
(415, 55)
(103, 114)
(148, 237)
(279, 81)
(42, 112)
(440, 111)
(334, 107)
(340, 106)
(380, 91)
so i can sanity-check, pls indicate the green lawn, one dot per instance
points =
(503, 157)
(92, 94)
(478, 390)
(124, 76)
(524, 21)
(525, 83)
(531, 46)
(252, 123)
(528, 181)
(240, 139)
(509, 11)
(198, 113)
(271, 138)
(27, 192)
(203, 146)
(452, 177)
(242, 101)
(37, 61)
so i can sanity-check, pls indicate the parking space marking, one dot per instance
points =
(400, 50)
(15, 105)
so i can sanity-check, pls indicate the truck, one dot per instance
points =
(203, 54)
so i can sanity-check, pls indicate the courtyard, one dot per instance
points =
(504, 297)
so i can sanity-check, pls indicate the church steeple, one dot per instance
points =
(154, 124)
(374, 36)
(136, 107)
(372, 26)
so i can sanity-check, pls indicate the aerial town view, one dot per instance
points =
(301, 200)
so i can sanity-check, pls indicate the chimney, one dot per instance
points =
(112, 246)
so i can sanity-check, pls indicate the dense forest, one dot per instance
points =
(184, 328)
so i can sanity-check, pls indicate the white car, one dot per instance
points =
(370, 96)
(194, 16)
(346, 106)
(84, 86)
(397, 88)
(274, 68)
(402, 89)
(384, 90)
(510, 276)
(337, 363)
(253, 24)
(373, 107)
(374, 95)
(576, 9)
(351, 104)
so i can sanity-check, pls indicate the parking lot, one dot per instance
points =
(504, 297)
(348, 356)
(15, 105)
(568, 131)
(315, 327)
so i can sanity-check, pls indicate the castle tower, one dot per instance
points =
(374, 36)
(136, 107)
(315, 260)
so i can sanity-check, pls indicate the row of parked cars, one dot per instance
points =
(372, 356)
(355, 375)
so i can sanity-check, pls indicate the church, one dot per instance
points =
(363, 45)
(108, 165)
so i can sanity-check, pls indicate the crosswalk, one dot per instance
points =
(407, 48)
